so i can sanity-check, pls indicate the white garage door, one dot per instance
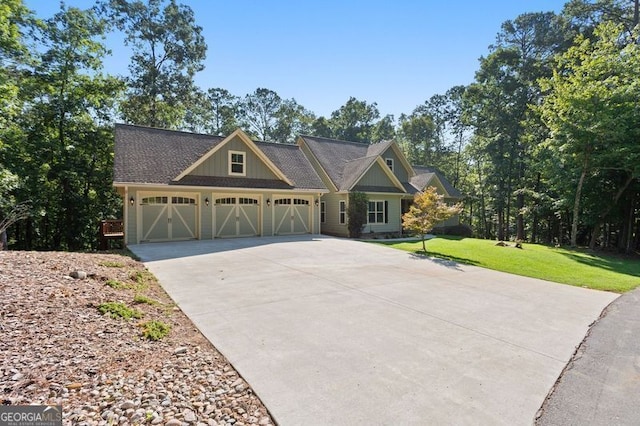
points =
(165, 217)
(291, 216)
(236, 217)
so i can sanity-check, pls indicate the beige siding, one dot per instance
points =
(205, 216)
(398, 168)
(332, 224)
(130, 220)
(218, 163)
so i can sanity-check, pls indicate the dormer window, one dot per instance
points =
(389, 162)
(237, 160)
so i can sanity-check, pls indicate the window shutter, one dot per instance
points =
(386, 212)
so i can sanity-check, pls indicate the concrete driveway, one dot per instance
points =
(333, 331)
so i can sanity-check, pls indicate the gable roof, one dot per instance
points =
(249, 143)
(425, 175)
(346, 162)
(145, 155)
(149, 155)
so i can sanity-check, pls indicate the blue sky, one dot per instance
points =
(396, 53)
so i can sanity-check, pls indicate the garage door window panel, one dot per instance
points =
(237, 217)
(291, 216)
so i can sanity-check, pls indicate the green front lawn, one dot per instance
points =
(576, 267)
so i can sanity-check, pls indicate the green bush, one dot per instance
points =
(357, 213)
(139, 298)
(155, 330)
(119, 310)
(113, 283)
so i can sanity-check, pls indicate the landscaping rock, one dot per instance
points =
(78, 274)
(57, 348)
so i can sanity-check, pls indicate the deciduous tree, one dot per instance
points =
(428, 210)
(354, 121)
(168, 50)
(592, 111)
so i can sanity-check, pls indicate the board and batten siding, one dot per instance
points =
(375, 176)
(218, 163)
(398, 168)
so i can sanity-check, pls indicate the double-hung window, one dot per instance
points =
(376, 212)
(389, 162)
(237, 163)
(343, 212)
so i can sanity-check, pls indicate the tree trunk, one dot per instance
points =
(534, 227)
(501, 223)
(610, 206)
(520, 218)
(483, 211)
(594, 235)
(576, 204)
(629, 225)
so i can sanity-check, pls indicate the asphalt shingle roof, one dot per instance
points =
(353, 170)
(344, 161)
(424, 175)
(149, 155)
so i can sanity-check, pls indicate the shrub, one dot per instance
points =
(155, 330)
(139, 298)
(357, 213)
(460, 230)
(113, 283)
(118, 310)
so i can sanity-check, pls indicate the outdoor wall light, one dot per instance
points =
(131, 201)
(206, 201)
(268, 202)
(317, 202)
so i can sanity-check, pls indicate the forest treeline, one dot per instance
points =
(544, 143)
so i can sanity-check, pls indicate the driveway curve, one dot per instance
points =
(335, 331)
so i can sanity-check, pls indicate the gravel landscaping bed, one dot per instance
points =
(56, 347)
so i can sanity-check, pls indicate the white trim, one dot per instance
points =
(231, 163)
(292, 210)
(340, 204)
(403, 159)
(389, 162)
(250, 144)
(237, 211)
(125, 215)
(394, 179)
(376, 212)
(197, 231)
(174, 188)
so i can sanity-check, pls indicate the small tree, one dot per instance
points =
(428, 209)
(357, 213)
